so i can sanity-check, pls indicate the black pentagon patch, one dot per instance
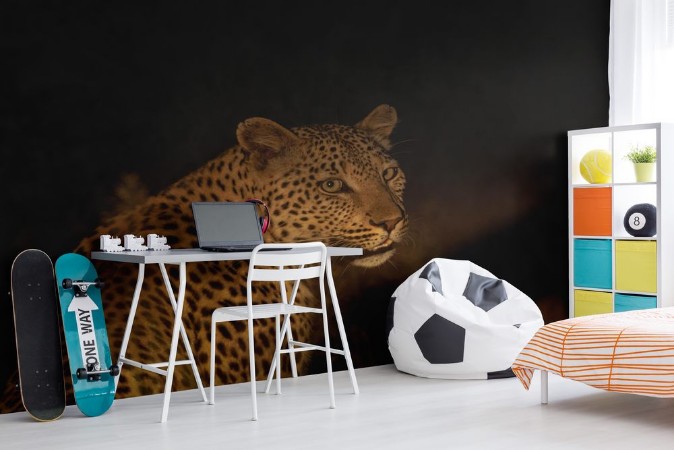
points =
(517, 325)
(389, 316)
(485, 292)
(432, 273)
(441, 341)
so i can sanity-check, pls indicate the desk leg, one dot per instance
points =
(183, 334)
(293, 296)
(129, 321)
(286, 329)
(174, 342)
(340, 326)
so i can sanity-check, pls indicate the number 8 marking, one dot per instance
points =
(637, 221)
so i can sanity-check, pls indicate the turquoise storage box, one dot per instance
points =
(625, 302)
(592, 263)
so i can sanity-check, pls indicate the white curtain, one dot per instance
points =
(641, 61)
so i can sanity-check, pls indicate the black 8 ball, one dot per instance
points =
(640, 220)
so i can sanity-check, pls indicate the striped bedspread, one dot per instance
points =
(624, 352)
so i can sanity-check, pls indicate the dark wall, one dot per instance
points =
(485, 92)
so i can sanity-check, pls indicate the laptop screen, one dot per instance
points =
(223, 224)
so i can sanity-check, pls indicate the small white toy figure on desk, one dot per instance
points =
(156, 242)
(133, 243)
(110, 244)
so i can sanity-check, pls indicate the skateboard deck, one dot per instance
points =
(91, 365)
(38, 337)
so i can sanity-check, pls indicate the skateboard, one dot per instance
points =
(38, 337)
(91, 368)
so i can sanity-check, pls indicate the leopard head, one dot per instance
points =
(333, 183)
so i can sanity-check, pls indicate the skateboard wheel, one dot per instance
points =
(98, 283)
(81, 374)
(114, 370)
(67, 283)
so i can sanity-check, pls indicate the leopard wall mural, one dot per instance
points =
(332, 183)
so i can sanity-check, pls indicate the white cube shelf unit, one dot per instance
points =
(610, 270)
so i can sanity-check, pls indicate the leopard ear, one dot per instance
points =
(265, 137)
(380, 123)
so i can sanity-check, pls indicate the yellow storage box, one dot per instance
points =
(636, 266)
(586, 303)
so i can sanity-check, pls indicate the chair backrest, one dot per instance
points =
(298, 262)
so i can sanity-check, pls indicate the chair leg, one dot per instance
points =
(328, 354)
(544, 387)
(251, 357)
(212, 368)
(278, 355)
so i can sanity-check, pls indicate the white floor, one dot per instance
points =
(393, 411)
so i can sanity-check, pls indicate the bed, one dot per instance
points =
(630, 352)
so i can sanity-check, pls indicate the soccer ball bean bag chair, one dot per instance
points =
(454, 319)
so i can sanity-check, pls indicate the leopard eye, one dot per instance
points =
(390, 173)
(332, 185)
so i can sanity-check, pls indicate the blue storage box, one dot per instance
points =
(592, 263)
(625, 302)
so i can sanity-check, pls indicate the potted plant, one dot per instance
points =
(643, 159)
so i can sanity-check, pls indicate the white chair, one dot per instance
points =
(300, 262)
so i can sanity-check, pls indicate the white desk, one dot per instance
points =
(181, 257)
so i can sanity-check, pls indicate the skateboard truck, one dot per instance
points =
(81, 287)
(110, 244)
(133, 243)
(156, 242)
(93, 372)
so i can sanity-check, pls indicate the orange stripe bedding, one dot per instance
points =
(629, 352)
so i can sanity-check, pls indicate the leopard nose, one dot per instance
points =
(387, 224)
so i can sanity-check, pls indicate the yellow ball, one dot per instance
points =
(595, 166)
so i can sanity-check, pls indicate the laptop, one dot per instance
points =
(227, 226)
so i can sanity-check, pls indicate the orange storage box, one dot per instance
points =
(592, 211)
